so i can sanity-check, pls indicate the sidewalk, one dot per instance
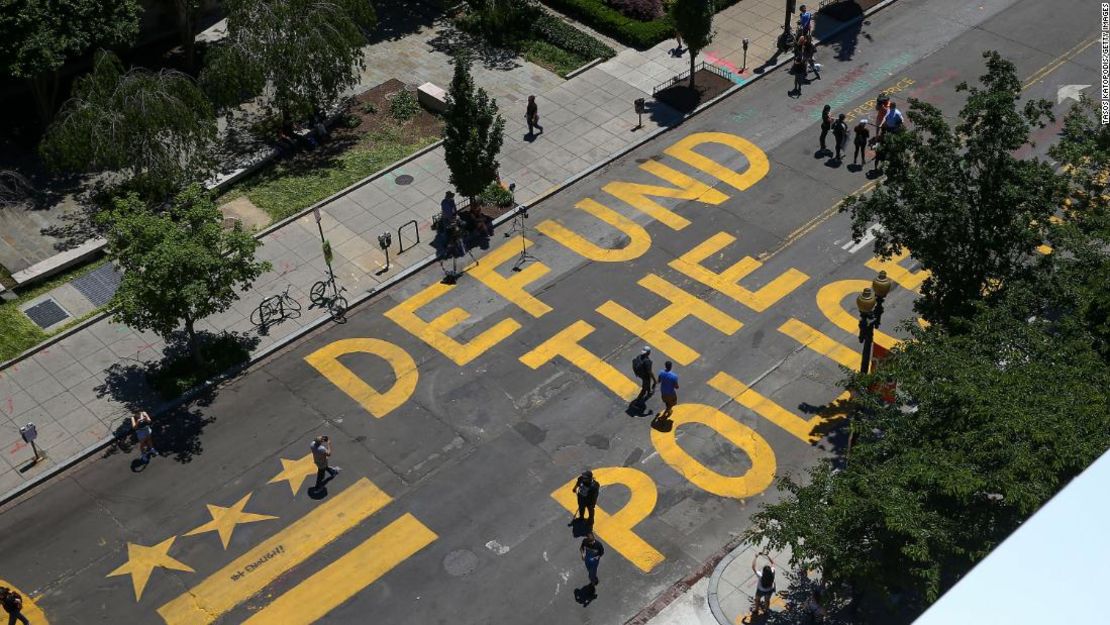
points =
(80, 389)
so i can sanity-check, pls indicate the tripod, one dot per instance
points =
(456, 246)
(520, 226)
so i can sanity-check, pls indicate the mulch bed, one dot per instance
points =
(707, 85)
(424, 124)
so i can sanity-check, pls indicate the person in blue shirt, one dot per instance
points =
(668, 390)
(805, 20)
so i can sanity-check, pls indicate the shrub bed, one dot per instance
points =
(605, 19)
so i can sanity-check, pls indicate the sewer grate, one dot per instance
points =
(99, 285)
(403, 180)
(46, 313)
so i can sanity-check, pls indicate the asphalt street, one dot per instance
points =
(460, 415)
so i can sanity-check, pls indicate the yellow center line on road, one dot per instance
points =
(1057, 62)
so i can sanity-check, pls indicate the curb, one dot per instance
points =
(711, 595)
(26, 488)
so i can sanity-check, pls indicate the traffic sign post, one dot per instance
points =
(29, 433)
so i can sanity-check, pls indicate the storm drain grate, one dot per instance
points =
(99, 285)
(403, 180)
(46, 313)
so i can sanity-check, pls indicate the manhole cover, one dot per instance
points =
(460, 562)
(99, 285)
(46, 313)
(403, 179)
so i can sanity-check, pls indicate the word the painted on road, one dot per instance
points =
(742, 280)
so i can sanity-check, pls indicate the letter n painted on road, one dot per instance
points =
(757, 478)
(434, 332)
(727, 281)
(617, 529)
(567, 344)
(248, 574)
(326, 361)
(682, 305)
(685, 188)
(758, 165)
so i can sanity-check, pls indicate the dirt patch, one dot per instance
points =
(707, 85)
(372, 109)
(244, 210)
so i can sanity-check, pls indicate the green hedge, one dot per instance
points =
(606, 20)
(562, 35)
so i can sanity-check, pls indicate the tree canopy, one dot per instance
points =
(156, 128)
(37, 37)
(472, 134)
(301, 54)
(179, 265)
(693, 19)
(969, 210)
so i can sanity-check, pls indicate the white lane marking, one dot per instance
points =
(868, 237)
(497, 547)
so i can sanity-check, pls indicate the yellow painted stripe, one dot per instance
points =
(275, 556)
(911, 280)
(30, 609)
(313, 598)
(820, 343)
(804, 429)
(1057, 62)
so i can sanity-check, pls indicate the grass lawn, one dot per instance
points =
(18, 333)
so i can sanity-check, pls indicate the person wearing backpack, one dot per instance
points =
(13, 605)
(641, 366)
(587, 489)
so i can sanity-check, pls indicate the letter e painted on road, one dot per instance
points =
(378, 403)
(757, 478)
(512, 287)
(617, 530)
(727, 281)
(758, 165)
(566, 343)
(434, 332)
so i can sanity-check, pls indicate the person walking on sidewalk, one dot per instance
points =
(668, 391)
(678, 43)
(862, 133)
(840, 135)
(826, 126)
(321, 452)
(587, 489)
(532, 116)
(141, 425)
(13, 605)
(642, 367)
(591, 551)
(805, 20)
(765, 586)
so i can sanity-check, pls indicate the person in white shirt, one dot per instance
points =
(765, 584)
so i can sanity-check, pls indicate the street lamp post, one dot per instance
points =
(870, 305)
(786, 39)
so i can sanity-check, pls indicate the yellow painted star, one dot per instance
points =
(142, 560)
(295, 472)
(224, 519)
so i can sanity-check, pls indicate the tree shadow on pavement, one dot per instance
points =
(832, 17)
(449, 40)
(397, 20)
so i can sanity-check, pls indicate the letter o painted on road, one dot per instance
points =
(753, 481)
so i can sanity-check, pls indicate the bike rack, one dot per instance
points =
(401, 242)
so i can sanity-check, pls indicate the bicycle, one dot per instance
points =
(275, 309)
(336, 303)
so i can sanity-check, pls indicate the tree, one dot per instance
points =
(302, 54)
(37, 37)
(157, 128)
(179, 266)
(472, 134)
(693, 19)
(987, 425)
(185, 12)
(969, 210)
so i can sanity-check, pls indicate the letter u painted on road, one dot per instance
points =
(378, 403)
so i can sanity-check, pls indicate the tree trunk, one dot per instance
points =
(44, 88)
(185, 26)
(693, 55)
(194, 344)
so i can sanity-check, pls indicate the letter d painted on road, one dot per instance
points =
(378, 403)
(758, 165)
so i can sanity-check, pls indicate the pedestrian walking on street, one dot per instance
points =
(805, 20)
(13, 605)
(765, 587)
(587, 489)
(642, 367)
(668, 391)
(321, 452)
(826, 126)
(840, 135)
(893, 121)
(532, 115)
(591, 551)
(862, 133)
(141, 425)
(809, 54)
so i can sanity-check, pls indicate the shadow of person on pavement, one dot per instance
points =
(580, 528)
(585, 595)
